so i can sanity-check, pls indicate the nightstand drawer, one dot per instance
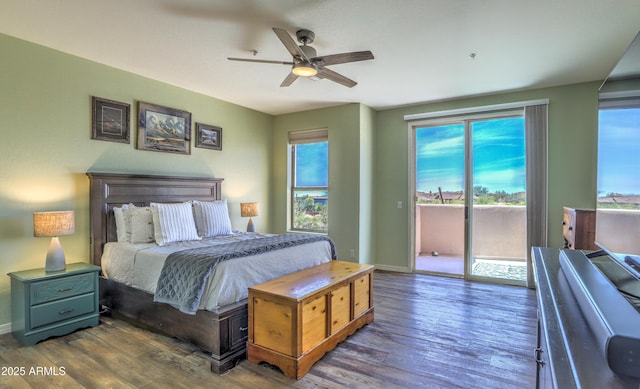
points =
(50, 290)
(52, 312)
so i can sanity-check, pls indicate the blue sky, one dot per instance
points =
(619, 151)
(498, 149)
(311, 164)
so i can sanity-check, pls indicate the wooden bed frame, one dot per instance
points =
(223, 332)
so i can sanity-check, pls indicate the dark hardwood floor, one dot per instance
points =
(429, 332)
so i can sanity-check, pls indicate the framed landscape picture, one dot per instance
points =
(208, 137)
(163, 129)
(110, 120)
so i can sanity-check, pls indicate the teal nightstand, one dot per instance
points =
(53, 304)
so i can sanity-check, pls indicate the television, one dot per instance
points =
(618, 203)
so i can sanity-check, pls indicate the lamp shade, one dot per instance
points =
(53, 223)
(248, 209)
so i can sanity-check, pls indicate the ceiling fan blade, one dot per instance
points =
(290, 44)
(336, 77)
(289, 79)
(335, 59)
(260, 61)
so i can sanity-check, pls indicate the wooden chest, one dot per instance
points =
(295, 319)
(579, 228)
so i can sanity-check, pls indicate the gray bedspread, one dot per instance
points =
(184, 275)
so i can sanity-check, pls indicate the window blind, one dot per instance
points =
(308, 136)
(619, 100)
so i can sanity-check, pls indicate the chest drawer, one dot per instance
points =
(61, 310)
(50, 290)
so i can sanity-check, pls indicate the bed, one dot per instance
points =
(219, 324)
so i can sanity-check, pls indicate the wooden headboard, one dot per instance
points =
(107, 191)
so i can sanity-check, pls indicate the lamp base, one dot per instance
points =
(55, 257)
(250, 226)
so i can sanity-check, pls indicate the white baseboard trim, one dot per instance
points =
(397, 269)
(5, 328)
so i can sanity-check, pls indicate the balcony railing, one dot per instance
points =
(499, 231)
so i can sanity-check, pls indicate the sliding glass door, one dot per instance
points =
(498, 217)
(470, 181)
(440, 198)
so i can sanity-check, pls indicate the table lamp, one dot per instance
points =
(54, 224)
(249, 210)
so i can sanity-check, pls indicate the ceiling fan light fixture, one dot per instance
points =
(304, 70)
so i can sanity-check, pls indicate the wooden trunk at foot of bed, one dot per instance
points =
(223, 333)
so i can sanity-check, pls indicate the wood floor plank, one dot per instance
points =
(428, 332)
(12, 377)
(116, 360)
(34, 363)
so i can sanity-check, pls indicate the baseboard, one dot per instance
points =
(5, 328)
(397, 269)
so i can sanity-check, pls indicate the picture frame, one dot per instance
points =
(208, 137)
(163, 129)
(110, 120)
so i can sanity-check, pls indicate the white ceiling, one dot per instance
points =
(422, 47)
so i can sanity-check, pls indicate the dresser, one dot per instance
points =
(53, 304)
(295, 319)
(567, 353)
(579, 228)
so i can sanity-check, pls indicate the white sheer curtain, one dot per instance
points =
(535, 121)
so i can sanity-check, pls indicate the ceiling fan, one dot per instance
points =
(306, 62)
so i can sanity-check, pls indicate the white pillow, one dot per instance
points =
(121, 227)
(212, 218)
(173, 223)
(141, 222)
(123, 223)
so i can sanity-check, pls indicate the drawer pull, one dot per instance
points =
(65, 289)
(243, 329)
(537, 352)
(65, 311)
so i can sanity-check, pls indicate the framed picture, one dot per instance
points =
(163, 129)
(208, 137)
(110, 120)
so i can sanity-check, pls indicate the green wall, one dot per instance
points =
(46, 148)
(367, 190)
(572, 147)
(344, 127)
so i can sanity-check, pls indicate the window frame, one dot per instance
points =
(298, 138)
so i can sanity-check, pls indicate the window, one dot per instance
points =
(619, 153)
(309, 180)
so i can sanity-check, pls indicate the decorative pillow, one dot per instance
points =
(121, 227)
(173, 223)
(212, 218)
(141, 222)
(123, 223)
